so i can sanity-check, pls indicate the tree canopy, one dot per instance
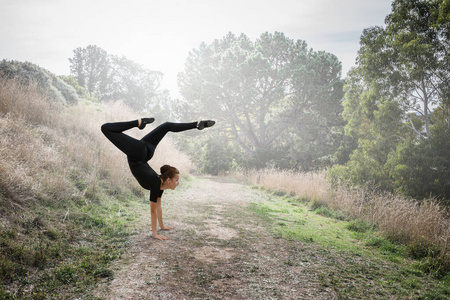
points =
(408, 60)
(396, 99)
(111, 78)
(278, 100)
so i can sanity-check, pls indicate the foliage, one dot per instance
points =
(90, 67)
(279, 100)
(217, 156)
(367, 164)
(396, 100)
(407, 60)
(48, 83)
(112, 78)
(422, 168)
(132, 83)
(81, 91)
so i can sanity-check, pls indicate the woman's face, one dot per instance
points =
(172, 183)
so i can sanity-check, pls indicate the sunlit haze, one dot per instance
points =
(159, 34)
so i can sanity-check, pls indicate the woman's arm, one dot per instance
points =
(154, 218)
(160, 219)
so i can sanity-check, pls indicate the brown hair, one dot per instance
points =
(168, 172)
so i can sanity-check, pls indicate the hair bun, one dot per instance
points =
(168, 172)
(164, 169)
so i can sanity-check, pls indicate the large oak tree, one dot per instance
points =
(278, 99)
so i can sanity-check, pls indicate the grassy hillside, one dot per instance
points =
(64, 189)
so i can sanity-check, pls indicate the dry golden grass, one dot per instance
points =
(425, 224)
(26, 102)
(310, 185)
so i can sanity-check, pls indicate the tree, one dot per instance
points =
(377, 140)
(111, 78)
(90, 66)
(253, 89)
(442, 27)
(408, 59)
(134, 84)
(316, 109)
(422, 170)
(217, 156)
(396, 99)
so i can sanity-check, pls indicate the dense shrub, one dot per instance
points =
(421, 169)
(48, 83)
(217, 156)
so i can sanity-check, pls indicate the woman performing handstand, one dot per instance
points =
(139, 152)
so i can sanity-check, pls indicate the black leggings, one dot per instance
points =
(143, 149)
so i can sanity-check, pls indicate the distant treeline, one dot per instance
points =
(112, 78)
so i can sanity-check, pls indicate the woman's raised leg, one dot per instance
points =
(128, 145)
(157, 134)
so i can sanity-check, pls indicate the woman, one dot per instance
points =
(139, 152)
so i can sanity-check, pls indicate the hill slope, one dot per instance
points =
(62, 185)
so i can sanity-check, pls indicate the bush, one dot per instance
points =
(48, 83)
(217, 156)
(421, 169)
(81, 91)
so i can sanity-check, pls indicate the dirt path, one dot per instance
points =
(218, 250)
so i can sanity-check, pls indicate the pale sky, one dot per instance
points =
(159, 34)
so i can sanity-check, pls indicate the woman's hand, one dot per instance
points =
(160, 237)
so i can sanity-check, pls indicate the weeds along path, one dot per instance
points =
(219, 249)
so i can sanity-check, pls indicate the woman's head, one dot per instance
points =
(170, 176)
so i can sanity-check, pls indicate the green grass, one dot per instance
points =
(67, 246)
(300, 223)
(355, 260)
